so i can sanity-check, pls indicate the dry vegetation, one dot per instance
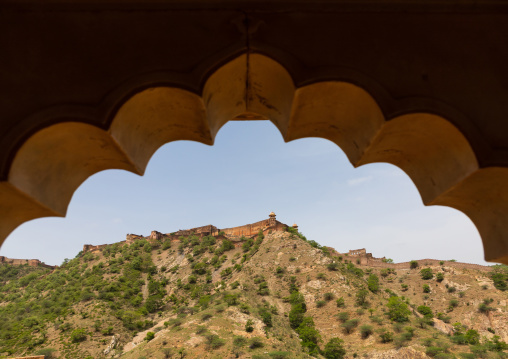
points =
(278, 296)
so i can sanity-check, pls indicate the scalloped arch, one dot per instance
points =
(52, 163)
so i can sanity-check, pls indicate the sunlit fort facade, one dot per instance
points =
(89, 85)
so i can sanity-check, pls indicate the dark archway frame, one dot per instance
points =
(261, 64)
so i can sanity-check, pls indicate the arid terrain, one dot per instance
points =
(276, 295)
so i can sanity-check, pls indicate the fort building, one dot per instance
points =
(247, 230)
(271, 224)
(20, 262)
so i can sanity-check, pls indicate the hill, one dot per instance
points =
(273, 295)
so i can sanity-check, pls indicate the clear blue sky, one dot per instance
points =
(248, 173)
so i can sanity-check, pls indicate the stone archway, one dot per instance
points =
(51, 164)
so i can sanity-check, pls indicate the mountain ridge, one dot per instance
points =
(198, 294)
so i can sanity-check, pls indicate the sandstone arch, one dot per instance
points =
(54, 161)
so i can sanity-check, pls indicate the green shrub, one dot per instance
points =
(340, 302)
(398, 310)
(467, 355)
(343, 316)
(454, 303)
(350, 325)
(249, 326)
(426, 273)
(239, 341)
(484, 308)
(149, 336)
(328, 296)
(433, 351)
(213, 341)
(361, 296)
(206, 316)
(426, 311)
(334, 349)
(413, 264)
(373, 283)
(385, 336)
(266, 317)
(279, 355)
(366, 331)
(426, 288)
(255, 343)
(78, 335)
(320, 303)
(47, 352)
(107, 331)
(333, 266)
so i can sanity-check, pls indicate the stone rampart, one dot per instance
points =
(203, 230)
(131, 238)
(424, 263)
(92, 248)
(20, 262)
(251, 230)
(357, 252)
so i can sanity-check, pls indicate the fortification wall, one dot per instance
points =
(204, 230)
(357, 252)
(92, 248)
(424, 263)
(250, 230)
(21, 262)
(131, 238)
(246, 230)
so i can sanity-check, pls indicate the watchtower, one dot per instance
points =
(271, 220)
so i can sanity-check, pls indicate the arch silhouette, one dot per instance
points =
(52, 163)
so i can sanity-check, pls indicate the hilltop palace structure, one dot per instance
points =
(246, 231)
(240, 233)
(20, 262)
(356, 256)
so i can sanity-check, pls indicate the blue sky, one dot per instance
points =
(248, 173)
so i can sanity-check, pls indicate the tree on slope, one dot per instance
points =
(334, 349)
(398, 311)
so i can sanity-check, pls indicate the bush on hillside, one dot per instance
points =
(334, 349)
(78, 335)
(427, 273)
(398, 311)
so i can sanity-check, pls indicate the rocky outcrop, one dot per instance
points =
(442, 326)
(111, 345)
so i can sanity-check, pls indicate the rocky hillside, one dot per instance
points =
(279, 296)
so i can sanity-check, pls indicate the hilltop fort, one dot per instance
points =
(237, 234)
(20, 262)
(233, 233)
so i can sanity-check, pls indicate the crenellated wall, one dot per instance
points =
(20, 262)
(366, 259)
(252, 229)
(203, 230)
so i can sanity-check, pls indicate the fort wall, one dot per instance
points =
(20, 262)
(361, 256)
(203, 231)
(252, 229)
(366, 259)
